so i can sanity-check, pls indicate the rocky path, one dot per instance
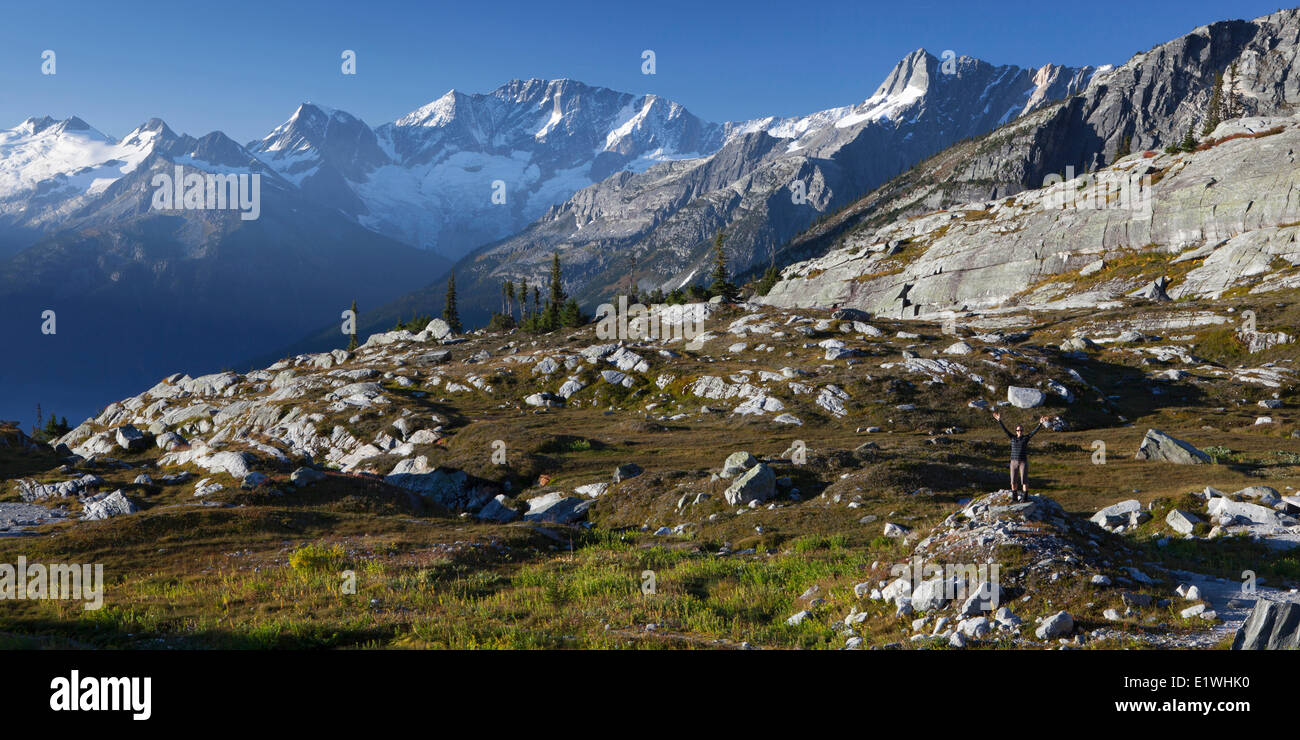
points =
(1227, 599)
(15, 518)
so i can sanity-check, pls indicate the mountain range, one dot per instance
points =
(628, 190)
(351, 212)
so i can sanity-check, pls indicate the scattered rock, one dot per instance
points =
(1157, 445)
(131, 439)
(556, 508)
(1025, 398)
(626, 471)
(1181, 521)
(303, 477)
(1057, 625)
(107, 505)
(895, 530)
(756, 484)
(497, 510)
(1116, 514)
(798, 618)
(737, 463)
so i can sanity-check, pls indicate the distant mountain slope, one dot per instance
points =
(135, 290)
(1012, 244)
(1152, 99)
(770, 180)
(428, 178)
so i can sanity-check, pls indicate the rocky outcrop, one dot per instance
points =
(1182, 522)
(757, 484)
(1272, 625)
(991, 234)
(105, 506)
(556, 508)
(1157, 445)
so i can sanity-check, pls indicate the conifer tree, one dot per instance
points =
(1231, 103)
(720, 279)
(1124, 149)
(571, 314)
(1214, 112)
(557, 297)
(449, 312)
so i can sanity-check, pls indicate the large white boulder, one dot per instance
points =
(1025, 398)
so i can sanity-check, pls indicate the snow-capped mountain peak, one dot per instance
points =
(319, 141)
(437, 113)
(69, 158)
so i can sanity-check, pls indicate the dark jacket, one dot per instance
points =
(1020, 445)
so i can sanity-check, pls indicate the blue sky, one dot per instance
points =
(242, 67)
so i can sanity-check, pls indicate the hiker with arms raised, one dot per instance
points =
(1019, 454)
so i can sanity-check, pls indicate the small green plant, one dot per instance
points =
(416, 324)
(1287, 457)
(1218, 452)
(565, 443)
(312, 558)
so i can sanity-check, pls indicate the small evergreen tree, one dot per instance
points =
(1231, 103)
(51, 430)
(720, 279)
(1214, 110)
(501, 322)
(571, 314)
(1124, 149)
(769, 279)
(557, 298)
(449, 312)
(1189, 140)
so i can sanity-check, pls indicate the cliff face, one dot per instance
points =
(1208, 221)
(1151, 100)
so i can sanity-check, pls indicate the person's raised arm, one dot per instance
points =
(997, 416)
(1042, 424)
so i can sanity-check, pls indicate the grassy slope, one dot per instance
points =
(185, 576)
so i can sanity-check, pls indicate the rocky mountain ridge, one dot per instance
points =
(1151, 102)
(769, 179)
(1194, 225)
